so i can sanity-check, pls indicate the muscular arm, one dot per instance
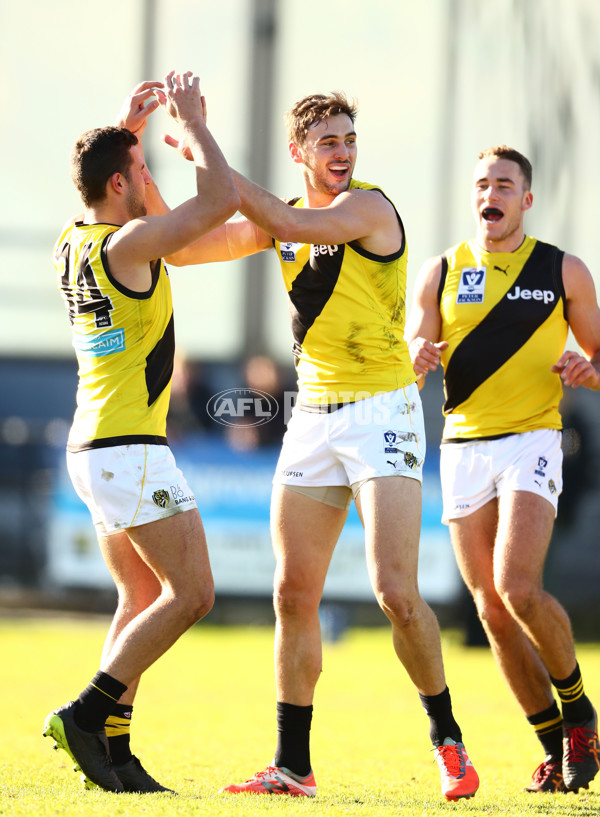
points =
(356, 215)
(584, 320)
(424, 325)
(235, 239)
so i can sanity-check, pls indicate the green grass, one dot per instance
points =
(204, 717)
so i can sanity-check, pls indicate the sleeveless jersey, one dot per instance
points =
(124, 341)
(347, 309)
(503, 315)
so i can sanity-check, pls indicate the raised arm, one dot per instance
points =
(584, 320)
(145, 239)
(424, 324)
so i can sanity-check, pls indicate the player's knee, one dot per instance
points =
(292, 600)
(519, 598)
(493, 614)
(198, 601)
(399, 607)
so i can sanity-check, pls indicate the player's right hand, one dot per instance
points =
(426, 355)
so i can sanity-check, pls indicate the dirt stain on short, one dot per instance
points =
(107, 475)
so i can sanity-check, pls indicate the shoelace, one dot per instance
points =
(544, 771)
(270, 770)
(453, 759)
(578, 744)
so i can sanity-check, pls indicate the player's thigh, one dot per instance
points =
(525, 523)
(473, 540)
(174, 548)
(130, 573)
(304, 534)
(390, 510)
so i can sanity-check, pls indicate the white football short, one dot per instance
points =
(379, 436)
(473, 473)
(129, 485)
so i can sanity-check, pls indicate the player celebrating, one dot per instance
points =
(118, 298)
(496, 311)
(356, 430)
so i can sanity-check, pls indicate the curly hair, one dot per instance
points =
(313, 109)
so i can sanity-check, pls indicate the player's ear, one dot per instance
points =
(116, 182)
(527, 200)
(295, 152)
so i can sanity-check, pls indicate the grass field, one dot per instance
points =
(205, 717)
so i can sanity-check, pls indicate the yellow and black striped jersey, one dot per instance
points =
(504, 318)
(124, 342)
(347, 308)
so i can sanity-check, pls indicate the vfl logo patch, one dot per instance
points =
(471, 287)
(161, 498)
(540, 471)
(289, 250)
(392, 439)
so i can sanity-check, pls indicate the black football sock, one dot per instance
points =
(97, 701)
(576, 706)
(118, 726)
(547, 726)
(293, 738)
(441, 720)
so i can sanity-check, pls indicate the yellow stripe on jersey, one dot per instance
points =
(347, 309)
(503, 316)
(124, 341)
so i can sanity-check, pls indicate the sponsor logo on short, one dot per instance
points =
(179, 497)
(104, 343)
(545, 295)
(161, 498)
(242, 407)
(471, 287)
(287, 473)
(551, 486)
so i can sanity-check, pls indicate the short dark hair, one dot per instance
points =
(313, 109)
(504, 152)
(96, 156)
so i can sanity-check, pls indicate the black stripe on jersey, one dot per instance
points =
(312, 288)
(159, 363)
(443, 274)
(506, 327)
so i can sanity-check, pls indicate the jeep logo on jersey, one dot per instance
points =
(545, 295)
(471, 287)
(161, 498)
(324, 249)
(288, 250)
(242, 407)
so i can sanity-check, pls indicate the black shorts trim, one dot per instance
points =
(111, 442)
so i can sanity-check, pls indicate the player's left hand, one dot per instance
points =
(134, 111)
(576, 370)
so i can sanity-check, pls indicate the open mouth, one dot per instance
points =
(492, 214)
(339, 171)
